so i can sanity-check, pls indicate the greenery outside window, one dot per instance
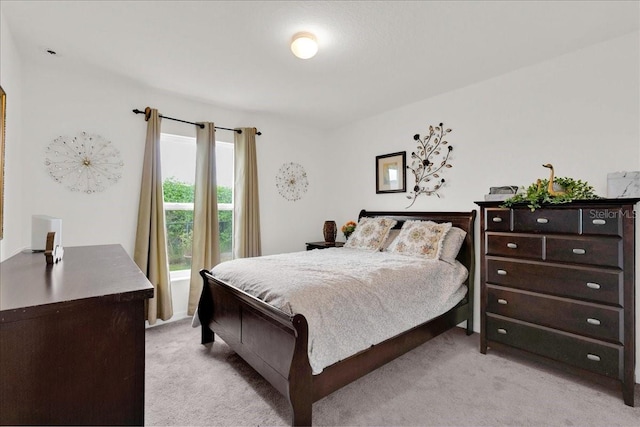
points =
(178, 167)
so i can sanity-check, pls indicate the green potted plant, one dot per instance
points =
(538, 193)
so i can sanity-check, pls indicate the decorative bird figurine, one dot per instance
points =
(550, 186)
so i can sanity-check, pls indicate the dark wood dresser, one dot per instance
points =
(72, 338)
(559, 282)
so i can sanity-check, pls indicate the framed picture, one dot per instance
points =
(391, 173)
(3, 115)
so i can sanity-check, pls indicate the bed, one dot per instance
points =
(277, 341)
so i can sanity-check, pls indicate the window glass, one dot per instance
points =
(178, 159)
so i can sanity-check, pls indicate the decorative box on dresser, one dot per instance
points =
(72, 338)
(559, 282)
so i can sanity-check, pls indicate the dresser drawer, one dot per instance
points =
(593, 355)
(602, 221)
(586, 319)
(547, 220)
(604, 251)
(497, 219)
(514, 245)
(589, 284)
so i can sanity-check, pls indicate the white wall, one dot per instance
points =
(580, 112)
(11, 82)
(64, 99)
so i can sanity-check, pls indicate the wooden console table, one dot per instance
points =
(72, 338)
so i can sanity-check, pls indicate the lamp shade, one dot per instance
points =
(304, 45)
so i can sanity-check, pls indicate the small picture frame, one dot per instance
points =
(391, 172)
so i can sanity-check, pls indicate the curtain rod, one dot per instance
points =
(147, 112)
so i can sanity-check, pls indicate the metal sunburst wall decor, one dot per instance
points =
(85, 163)
(429, 162)
(292, 181)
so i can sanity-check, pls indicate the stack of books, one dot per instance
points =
(499, 194)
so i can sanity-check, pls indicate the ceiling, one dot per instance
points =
(373, 57)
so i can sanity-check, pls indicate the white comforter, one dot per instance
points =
(352, 299)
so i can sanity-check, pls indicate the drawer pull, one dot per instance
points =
(496, 219)
(542, 220)
(512, 246)
(502, 272)
(593, 321)
(502, 331)
(502, 301)
(593, 285)
(593, 357)
(579, 251)
(599, 222)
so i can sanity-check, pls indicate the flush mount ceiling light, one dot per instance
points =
(304, 45)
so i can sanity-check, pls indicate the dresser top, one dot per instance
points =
(28, 285)
(587, 202)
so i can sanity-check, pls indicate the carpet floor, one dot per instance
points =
(445, 382)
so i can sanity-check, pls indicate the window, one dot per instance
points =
(178, 158)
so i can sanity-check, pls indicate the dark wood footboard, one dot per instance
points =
(272, 342)
(275, 344)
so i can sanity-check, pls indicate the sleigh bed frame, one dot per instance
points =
(275, 343)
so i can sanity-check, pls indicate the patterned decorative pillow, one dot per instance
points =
(370, 233)
(421, 238)
(452, 243)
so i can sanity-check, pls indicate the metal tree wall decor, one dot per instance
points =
(429, 161)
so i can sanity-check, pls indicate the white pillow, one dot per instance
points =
(452, 243)
(420, 238)
(370, 233)
(393, 233)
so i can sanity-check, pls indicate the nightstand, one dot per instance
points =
(323, 245)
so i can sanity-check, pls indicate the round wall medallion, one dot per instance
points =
(86, 163)
(291, 181)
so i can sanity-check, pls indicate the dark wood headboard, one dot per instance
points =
(462, 220)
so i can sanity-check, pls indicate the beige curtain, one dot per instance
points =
(151, 241)
(206, 233)
(246, 205)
